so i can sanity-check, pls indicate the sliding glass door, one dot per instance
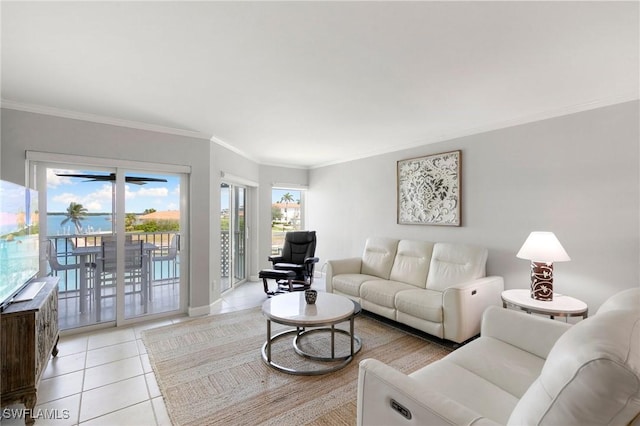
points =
(113, 237)
(80, 214)
(239, 240)
(233, 235)
(152, 225)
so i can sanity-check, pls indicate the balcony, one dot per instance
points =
(77, 305)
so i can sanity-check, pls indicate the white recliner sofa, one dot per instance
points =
(438, 288)
(523, 370)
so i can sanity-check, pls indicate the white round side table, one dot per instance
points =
(560, 306)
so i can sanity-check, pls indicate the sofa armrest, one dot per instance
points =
(531, 333)
(379, 384)
(341, 266)
(464, 303)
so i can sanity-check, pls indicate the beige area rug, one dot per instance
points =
(210, 371)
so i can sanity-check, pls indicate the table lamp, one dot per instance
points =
(542, 249)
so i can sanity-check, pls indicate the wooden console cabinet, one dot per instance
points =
(28, 336)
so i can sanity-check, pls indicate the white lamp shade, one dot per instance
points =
(543, 247)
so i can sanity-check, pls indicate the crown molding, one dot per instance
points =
(94, 118)
(232, 148)
(544, 115)
(285, 165)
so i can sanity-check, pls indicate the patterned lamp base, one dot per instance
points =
(542, 280)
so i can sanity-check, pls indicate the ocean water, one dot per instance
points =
(98, 223)
(19, 258)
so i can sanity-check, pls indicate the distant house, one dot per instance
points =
(290, 211)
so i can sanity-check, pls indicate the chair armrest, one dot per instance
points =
(309, 260)
(507, 325)
(341, 266)
(275, 259)
(379, 384)
(464, 303)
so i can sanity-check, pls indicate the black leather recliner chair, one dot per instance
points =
(298, 255)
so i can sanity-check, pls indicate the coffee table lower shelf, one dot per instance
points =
(300, 333)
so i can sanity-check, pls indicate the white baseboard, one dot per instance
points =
(202, 310)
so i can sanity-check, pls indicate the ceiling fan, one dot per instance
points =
(137, 180)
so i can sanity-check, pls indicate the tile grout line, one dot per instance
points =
(121, 408)
(84, 375)
(237, 302)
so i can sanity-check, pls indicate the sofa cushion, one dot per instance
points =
(465, 387)
(382, 292)
(591, 376)
(378, 256)
(411, 264)
(350, 283)
(423, 304)
(455, 263)
(506, 366)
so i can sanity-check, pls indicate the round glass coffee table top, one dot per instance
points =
(291, 309)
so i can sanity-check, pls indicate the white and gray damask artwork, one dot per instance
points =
(429, 190)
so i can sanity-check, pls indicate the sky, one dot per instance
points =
(278, 193)
(96, 197)
(276, 196)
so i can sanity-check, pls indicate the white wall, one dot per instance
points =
(576, 175)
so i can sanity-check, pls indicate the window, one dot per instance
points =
(286, 215)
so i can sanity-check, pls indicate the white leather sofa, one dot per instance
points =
(439, 288)
(523, 370)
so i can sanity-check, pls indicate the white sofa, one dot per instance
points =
(523, 370)
(439, 288)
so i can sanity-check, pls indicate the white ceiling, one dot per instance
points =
(306, 84)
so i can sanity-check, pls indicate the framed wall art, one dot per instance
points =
(429, 189)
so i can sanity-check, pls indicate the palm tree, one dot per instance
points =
(286, 199)
(76, 213)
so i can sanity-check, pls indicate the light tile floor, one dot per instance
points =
(104, 377)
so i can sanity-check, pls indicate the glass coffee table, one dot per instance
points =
(321, 317)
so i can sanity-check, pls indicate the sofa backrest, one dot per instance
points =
(455, 263)
(625, 299)
(591, 376)
(411, 264)
(378, 256)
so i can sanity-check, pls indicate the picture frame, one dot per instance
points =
(429, 190)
